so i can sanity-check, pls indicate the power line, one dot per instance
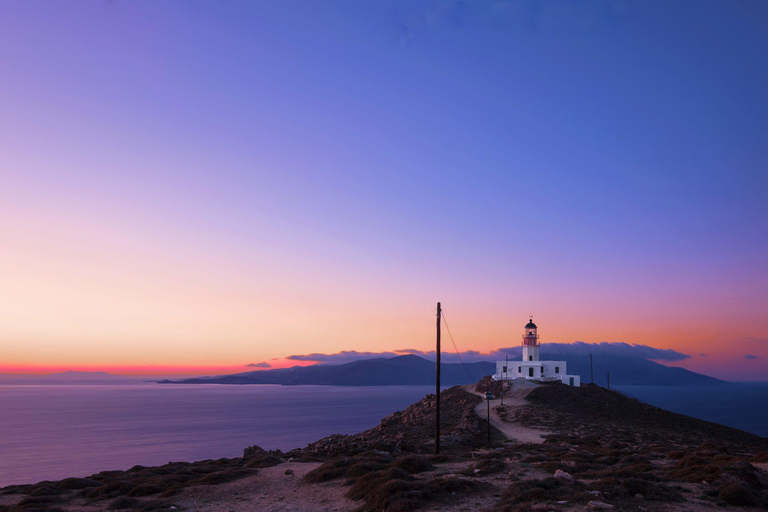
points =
(456, 349)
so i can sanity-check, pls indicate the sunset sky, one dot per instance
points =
(193, 186)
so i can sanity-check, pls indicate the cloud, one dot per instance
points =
(578, 348)
(345, 356)
(750, 357)
(259, 365)
(753, 339)
(703, 355)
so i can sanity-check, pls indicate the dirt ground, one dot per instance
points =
(514, 397)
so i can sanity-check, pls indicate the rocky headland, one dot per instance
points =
(552, 447)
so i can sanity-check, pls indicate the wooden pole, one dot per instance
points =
(591, 373)
(504, 380)
(488, 400)
(437, 385)
(609, 381)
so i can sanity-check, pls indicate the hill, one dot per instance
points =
(408, 370)
(597, 450)
(412, 370)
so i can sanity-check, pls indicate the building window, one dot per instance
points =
(557, 369)
(519, 369)
(542, 370)
(530, 358)
(504, 369)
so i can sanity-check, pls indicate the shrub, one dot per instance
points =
(363, 468)
(145, 490)
(45, 489)
(332, 469)
(71, 484)
(368, 484)
(155, 505)
(738, 494)
(485, 467)
(37, 503)
(395, 490)
(111, 489)
(616, 489)
(412, 464)
(222, 477)
(264, 461)
(123, 502)
(548, 489)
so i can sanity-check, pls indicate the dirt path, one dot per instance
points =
(514, 397)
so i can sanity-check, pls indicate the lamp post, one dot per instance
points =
(488, 398)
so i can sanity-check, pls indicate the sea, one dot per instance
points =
(50, 432)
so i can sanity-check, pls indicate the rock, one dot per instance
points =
(599, 505)
(252, 451)
(288, 471)
(638, 496)
(565, 476)
(594, 493)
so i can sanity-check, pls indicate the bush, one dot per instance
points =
(265, 461)
(616, 489)
(363, 468)
(71, 484)
(413, 464)
(145, 490)
(225, 476)
(45, 489)
(35, 503)
(331, 470)
(111, 489)
(485, 467)
(395, 490)
(760, 457)
(548, 489)
(123, 502)
(155, 505)
(738, 494)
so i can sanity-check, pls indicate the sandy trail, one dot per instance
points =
(514, 397)
(271, 490)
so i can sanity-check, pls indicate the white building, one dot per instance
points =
(531, 367)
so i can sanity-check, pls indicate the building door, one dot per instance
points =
(530, 372)
(571, 381)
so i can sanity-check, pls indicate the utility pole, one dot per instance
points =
(504, 380)
(608, 398)
(609, 381)
(437, 384)
(591, 373)
(488, 398)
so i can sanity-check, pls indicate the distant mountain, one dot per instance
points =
(412, 370)
(631, 371)
(408, 370)
(69, 377)
(82, 375)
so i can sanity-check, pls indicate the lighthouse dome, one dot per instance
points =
(530, 325)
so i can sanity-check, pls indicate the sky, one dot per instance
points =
(195, 186)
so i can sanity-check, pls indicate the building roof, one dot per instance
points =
(530, 325)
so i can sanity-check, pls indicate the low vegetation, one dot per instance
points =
(603, 447)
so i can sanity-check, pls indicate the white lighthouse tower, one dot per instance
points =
(530, 342)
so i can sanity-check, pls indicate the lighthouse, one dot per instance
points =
(530, 342)
(530, 367)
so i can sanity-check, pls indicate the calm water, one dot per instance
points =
(742, 406)
(52, 432)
